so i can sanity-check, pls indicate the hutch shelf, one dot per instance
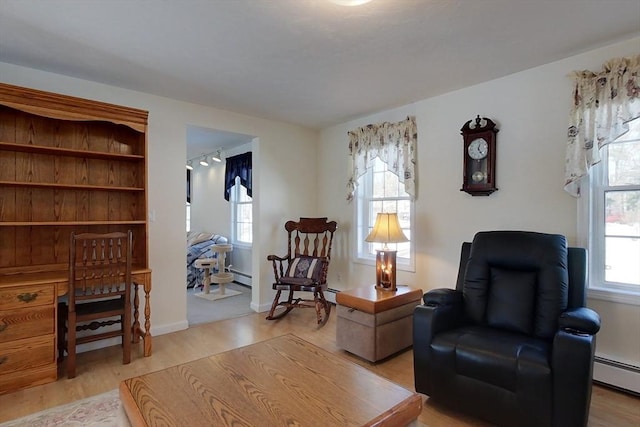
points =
(66, 165)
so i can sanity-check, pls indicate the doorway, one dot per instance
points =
(210, 220)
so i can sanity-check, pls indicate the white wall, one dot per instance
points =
(281, 191)
(210, 212)
(531, 110)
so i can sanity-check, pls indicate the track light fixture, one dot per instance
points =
(203, 159)
(216, 157)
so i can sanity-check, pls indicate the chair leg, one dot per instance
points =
(126, 336)
(321, 303)
(71, 346)
(276, 302)
(62, 326)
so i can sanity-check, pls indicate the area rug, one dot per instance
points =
(103, 410)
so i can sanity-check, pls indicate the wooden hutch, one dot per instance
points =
(66, 165)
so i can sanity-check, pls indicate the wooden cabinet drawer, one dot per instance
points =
(28, 378)
(19, 324)
(26, 354)
(27, 296)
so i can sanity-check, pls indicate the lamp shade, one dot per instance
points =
(386, 230)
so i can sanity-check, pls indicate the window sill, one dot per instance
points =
(614, 295)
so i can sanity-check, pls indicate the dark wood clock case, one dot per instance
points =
(479, 174)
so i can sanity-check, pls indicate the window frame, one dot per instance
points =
(188, 216)
(364, 221)
(592, 231)
(235, 204)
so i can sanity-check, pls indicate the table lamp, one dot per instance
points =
(386, 230)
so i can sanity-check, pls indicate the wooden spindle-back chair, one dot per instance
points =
(99, 293)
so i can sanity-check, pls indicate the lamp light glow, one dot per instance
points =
(189, 165)
(203, 161)
(349, 2)
(386, 230)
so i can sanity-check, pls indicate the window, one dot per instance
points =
(241, 214)
(613, 209)
(379, 190)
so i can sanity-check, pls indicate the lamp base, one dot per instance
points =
(386, 270)
(385, 289)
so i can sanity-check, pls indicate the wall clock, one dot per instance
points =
(479, 165)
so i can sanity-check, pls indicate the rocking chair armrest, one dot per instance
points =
(278, 265)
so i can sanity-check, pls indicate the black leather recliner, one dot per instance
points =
(513, 344)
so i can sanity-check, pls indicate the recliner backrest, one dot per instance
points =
(577, 260)
(517, 280)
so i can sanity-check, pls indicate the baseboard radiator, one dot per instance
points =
(241, 277)
(616, 374)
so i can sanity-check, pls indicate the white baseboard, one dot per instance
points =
(169, 328)
(155, 331)
(260, 308)
(620, 375)
(330, 295)
(95, 345)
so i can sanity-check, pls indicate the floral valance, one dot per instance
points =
(603, 105)
(394, 143)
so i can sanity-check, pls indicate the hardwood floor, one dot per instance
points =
(101, 370)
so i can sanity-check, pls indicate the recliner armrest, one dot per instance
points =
(445, 307)
(581, 320)
(442, 310)
(442, 297)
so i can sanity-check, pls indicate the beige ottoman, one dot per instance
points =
(375, 324)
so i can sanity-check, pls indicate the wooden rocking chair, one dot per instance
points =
(304, 268)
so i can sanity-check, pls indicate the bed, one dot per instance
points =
(199, 246)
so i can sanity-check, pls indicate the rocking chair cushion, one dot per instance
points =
(305, 267)
(294, 282)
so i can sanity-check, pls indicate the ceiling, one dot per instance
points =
(307, 62)
(206, 141)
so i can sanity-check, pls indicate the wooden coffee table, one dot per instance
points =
(277, 382)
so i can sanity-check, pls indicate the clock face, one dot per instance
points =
(478, 149)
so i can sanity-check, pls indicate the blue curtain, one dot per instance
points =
(188, 186)
(238, 166)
